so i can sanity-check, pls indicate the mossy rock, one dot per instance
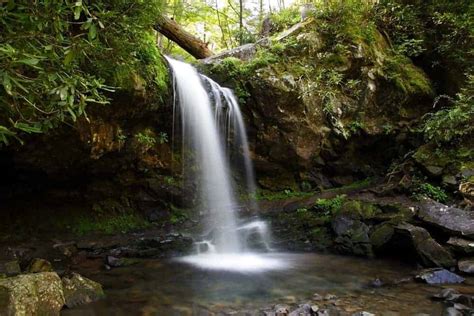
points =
(361, 209)
(39, 265)
(381, 235)
(31, 294)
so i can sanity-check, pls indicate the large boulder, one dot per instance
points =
(451, 219)
(79, 290)
(31, 294)
(429, 251)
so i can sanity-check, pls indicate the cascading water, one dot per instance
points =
(207, 124)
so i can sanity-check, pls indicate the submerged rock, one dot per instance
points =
(431, 253)
(451, 219)
(79, 290)
(439, 276)
(120, 262)
(31, 294)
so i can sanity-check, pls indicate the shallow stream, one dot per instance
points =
(172, 287)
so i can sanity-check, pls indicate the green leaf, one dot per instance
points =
(69, 57)
(29, 61)
(92, 32)
(27, 128)
(7, 83)
(77, 12)
(63, 93)
(19, 85)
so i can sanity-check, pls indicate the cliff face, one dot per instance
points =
(324, 112)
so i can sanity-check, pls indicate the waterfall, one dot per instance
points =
(212, 130)
(201, 132)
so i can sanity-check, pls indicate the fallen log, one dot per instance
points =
(184, 39)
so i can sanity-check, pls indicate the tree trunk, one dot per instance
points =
(185, 40)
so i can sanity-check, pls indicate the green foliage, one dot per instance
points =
(109, 224)
(284, 19)
(146, 139)
(442, 30)
(431, 191)
(453, 123)
(57, 57)
(344, 22)
(330, 206)
(177, 215)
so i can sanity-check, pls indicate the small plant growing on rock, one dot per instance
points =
(145, 138)
(330, 206)
(431, 191)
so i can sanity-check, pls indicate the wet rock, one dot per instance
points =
(451, 311)
(330, 297)
(381, 235)
(323, 312)
(451, 219)
(66, 249)
(281, 310)
(439, 276)
(79, 290)
(317, 297)
(302, 310)
(447, 294)
(461, 246)
(115, 262)
(10, 268)
(31, 294)
(352, 236)
(466, 265)
(377, 283)
(39, 265)
(431, 253)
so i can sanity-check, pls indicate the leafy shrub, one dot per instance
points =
(285, 18)
(57, 57)
(453, 123)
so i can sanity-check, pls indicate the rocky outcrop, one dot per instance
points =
(31, 294)
(451, 219)
(310, 121)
